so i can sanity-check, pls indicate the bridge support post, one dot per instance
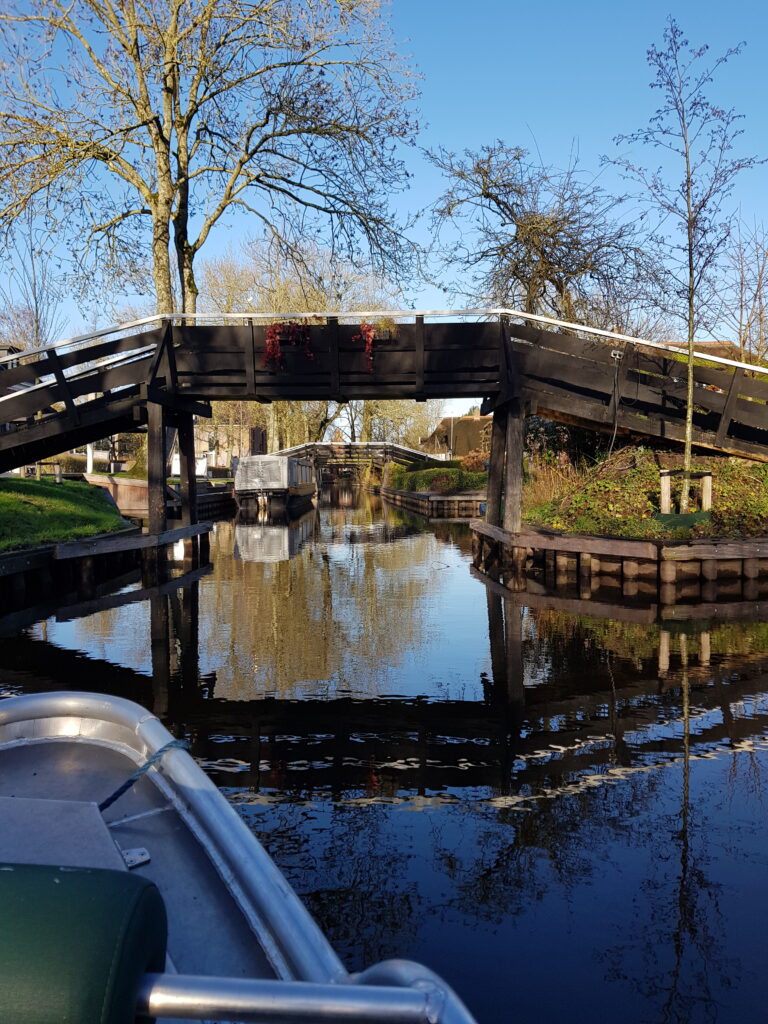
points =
(188, 479)
(505, 468)
(157, 457)
(504, 501)
(496, 466)
(513, 477)
(154, 558)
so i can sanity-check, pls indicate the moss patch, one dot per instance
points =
(43, 512)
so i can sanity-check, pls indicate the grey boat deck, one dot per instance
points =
(207, 933)
(241, 945)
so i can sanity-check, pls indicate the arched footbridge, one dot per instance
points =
(358, 453)
(162, 370)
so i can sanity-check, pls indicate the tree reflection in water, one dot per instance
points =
(563, 809)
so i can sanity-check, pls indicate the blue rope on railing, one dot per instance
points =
(142, 770)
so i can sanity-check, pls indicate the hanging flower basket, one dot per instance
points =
(290, 332)
(367, 335)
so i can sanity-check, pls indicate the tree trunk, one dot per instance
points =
(686, 484)
(185, 256)
(161, 263)
(366, 420)
(690, 224)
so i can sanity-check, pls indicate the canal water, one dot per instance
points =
(564, 815)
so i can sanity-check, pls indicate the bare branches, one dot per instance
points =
(690, 189)
(30, 314)
(743, 290)
(533, 236)
(291, 109)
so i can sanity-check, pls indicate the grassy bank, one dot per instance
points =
(620, 497)
(43, 512)
(447, 479)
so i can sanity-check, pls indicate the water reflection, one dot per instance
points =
(268, 539)
(585, 786)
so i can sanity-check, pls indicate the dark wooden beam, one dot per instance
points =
(61, 380)
(496, 466)
(419, 354)
(333, 345)
(513, 473)
(188, 477)
(176, 402)
(729, 407)
(127, 540)
(250, 361)
(156, 467)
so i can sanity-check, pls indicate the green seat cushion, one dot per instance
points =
(75, 942)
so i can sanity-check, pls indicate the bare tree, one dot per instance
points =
(30, 295)
(695, 140)
(145, 122)
(397, 421)
(743, 292)
(533, 236)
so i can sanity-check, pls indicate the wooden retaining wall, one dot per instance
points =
(132, 496)
(672, 570)
(33, 576)
(435, 506)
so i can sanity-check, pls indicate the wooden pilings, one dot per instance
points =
(435, 506)
(668, 571)
(702, 480)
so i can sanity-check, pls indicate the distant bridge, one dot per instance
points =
(162, 370)
(357, 453)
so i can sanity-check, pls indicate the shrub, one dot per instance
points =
(442, 479)
(620, 497)
(475, 461)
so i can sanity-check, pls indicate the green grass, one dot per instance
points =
(43, 512)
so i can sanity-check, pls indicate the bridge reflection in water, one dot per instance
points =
(587, 786)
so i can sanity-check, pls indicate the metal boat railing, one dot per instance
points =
(414, 995)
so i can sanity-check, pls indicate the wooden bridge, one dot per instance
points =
(358, 453)
(161, 371)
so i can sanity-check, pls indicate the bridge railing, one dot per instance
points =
(360, 451)
(214, 355)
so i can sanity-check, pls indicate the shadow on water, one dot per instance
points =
(590, 835)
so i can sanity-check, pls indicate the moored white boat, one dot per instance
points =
(82, 926)
(278, 482)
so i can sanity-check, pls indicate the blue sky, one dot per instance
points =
(558, 79)
(563, 78)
